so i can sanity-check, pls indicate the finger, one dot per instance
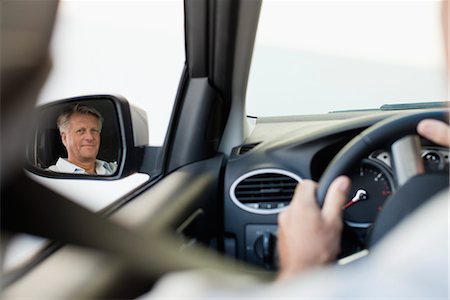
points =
(336, 196)
(300, 189)
(305, 193)
(436, 131)
(282, 217)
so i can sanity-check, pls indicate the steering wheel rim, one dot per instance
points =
(382, 133)
(410, 195)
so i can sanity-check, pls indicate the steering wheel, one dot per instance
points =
(414, 186)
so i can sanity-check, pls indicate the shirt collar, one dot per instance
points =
(68, 167)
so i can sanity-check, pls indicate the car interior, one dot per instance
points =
(219, 181)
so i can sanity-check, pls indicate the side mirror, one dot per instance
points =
(122, 140)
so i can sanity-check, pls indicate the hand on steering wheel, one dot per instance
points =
(308, 237)
(413, 186)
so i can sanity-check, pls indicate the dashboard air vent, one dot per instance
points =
(264, 191)
(246, 148)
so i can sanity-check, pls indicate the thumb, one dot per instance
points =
(336, 196)
(436, 131)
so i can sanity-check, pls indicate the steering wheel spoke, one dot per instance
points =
(407, 162)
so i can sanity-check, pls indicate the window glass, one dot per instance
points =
(321, 56)
(131, 48)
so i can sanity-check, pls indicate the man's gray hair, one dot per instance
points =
(77, 108)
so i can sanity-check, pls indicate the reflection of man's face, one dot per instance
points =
(82, 138)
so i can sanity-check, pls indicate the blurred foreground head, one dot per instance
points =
(26, 28)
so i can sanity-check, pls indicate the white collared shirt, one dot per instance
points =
(101, 167)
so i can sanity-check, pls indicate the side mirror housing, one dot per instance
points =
(123, 137)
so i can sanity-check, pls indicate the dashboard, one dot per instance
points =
(262, 173)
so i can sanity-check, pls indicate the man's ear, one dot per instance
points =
(63, 138)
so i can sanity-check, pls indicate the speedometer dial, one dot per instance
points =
(372, 184)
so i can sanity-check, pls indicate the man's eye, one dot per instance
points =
(80, 131)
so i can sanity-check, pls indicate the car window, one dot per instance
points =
(131, 48)
(317, 57)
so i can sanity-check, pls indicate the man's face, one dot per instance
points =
(82, 138)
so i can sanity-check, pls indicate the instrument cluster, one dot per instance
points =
(373, 182)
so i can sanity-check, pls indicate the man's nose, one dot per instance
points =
(89, 136)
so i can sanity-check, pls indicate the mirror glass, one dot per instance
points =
(78, 136)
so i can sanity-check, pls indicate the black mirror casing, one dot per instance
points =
(123, 138)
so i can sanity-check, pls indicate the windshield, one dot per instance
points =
(316, 57)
